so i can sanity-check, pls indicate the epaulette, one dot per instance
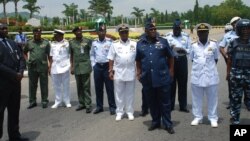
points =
(135, 40)
(184, 34)
(194, 41)
(168, 34)
(213, 40)
(115, 41)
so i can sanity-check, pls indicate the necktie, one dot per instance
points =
(7, 45)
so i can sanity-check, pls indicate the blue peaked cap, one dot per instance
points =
(149, 23)
(177, 23)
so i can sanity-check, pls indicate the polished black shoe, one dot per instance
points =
(170, 130)
(184, 110)
(97, 111)
(19, 139)
(88, 110)
(32, 105)
(79, 108)
(248, 108)
(228, 107)
(112, 112)
(143, 113)
(1, 132)
(153, 127)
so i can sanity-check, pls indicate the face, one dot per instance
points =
(78, 33)
(3, 32)
(123, 35)
(177, 31)
(101, 34)
(58, 37)
(151, 32)
(245, 33)
(37, 35)
(203, 35)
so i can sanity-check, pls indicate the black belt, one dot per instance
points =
(103, 64)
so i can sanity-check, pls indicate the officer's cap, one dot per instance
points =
(203, 27)
(149, 23)
(234, 20)
(3, 26)
(102, 27)
(58, 31)
(37, 29)
(76, 28)
(177, 23)
(122, 27)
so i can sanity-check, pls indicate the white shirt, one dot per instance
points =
(204, 70)
(99, 51)
(123, 55)
(60, 55)
(183, 41)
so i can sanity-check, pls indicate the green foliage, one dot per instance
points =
(102, 7)
(31, 6)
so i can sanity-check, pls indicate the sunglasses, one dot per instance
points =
(152, 29)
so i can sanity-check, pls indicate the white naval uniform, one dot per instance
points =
(204, 78)
(123, 55)
(60, 71)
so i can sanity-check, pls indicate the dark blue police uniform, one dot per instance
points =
(155, 78)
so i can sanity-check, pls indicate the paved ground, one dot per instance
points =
(64, 124)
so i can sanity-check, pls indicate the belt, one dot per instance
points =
(103, 64)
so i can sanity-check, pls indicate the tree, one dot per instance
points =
(102, 7)
(166, 16)
(71, 11)
(4, 2)
(31, 6)
(138, 13)
(196, 11)
(56, 21)
(155, 14)
(16, 11)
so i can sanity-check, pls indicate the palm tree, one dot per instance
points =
(15, 3)
(71, 11)
(155, 13)
(31, 6)
(138, 13)
(4, 2)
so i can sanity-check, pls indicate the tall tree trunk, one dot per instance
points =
(31, 14)
(4, 9)
(16, 10)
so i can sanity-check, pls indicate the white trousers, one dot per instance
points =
(61, 87)
(124, 96)
(211, 93)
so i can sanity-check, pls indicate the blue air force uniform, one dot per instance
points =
(155, 77)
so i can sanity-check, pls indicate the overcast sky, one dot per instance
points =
(53, 8)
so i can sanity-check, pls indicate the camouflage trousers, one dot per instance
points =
(240, 84)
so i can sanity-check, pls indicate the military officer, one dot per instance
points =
(122, 70)
(204, 75)
(155, 68)
(81, 67)
(228, 27)
(60, 67)
(99, 61)
(39, 50)
(180, 43)
(12, 65)
(238, 68)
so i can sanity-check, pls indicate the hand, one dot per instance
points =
(171, 73)
(72, 71)
(228, 77)
(19, 76)
(111, 75)
(49, 70)
(138, 75)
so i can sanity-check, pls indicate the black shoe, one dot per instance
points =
(170, 130)
(19, 139)
(45, 105)
(184, 110)
(153, 127)
(1, 132)
(80, 107)
(248, 108)
(88, 110)
(32, 105)
(112, 112)
(234, 122)
(143, 113)
(228, 107)
(98, 110)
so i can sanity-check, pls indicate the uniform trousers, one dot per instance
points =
(34, 75)
(160, 104)
(10, 96)
(124, 96)
(181, 78)
(211, 93)
(61, 87)
(83, 89)
(101, 77)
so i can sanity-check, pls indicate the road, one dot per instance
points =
(65, 124)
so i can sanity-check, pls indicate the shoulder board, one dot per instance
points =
(168, 34)
(213, 40)
(194, 42)
(116, 41)
(184, 34)
(133, 40)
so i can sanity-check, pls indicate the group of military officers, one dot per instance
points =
(159, 63)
